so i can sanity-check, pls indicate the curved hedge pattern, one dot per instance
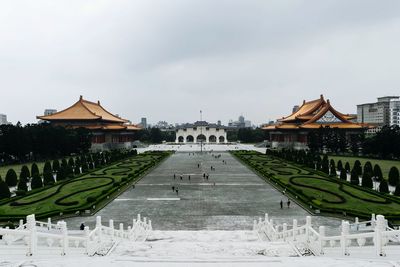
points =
(79, 193)
(337, 196)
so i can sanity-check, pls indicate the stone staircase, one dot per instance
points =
(203, 246)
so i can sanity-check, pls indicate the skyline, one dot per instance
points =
(168, 60)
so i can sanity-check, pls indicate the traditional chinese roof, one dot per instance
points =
(315, 114)
(84, 110)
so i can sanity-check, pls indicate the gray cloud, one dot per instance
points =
(166, 60)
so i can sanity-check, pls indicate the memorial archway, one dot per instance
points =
(201, 138)
(180, 139)
(189, 139)
(212, 139)
(222, 139)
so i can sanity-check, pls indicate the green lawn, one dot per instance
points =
(72, 195)
(384, 164)
(329, 195)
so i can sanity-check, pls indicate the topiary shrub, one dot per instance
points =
(36, 182)
(333, 171)
(11, 178)
(367, 180)
(56, 165)
(383, 187)
(397, 190)
(347, 167)
(48, 178)
(378, 173)
(4, 190)
(47, 167)
(23, 176)
(343, 175)
(34, 169)
(339, 165)
(393, 176)
(22, 186)
(354, 177)
(25, 171)
(357, 167)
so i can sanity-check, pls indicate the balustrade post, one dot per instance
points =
(343, 237)
(138, 218)
(87, 236)
(378, 238)
(31, 226)
(321, 239)
(150, 226)
(49, 224)
(266, 217)
(294, 229)
(255, 225)
(121, 229)
(373, 220)
(111, 225)
(357, 223)
(308, 226)
(98, 228)
(284, 231)
(21, 223)
(64, 233)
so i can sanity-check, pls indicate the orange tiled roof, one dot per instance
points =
(313, 115)
(83, 110)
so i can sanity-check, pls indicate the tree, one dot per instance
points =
(34, 169)
(23, 176)
(343, 175)
(325, 164)
(56, 165)
(339, 165)
(393, 176)
(11, 178)
(48, 178)
(368, 167)
(378, 173)
(383, 187)
(36, 182)
(4, 190)
(397, 190)
(354, 179)
(22, 186)
(357, 167)
(367, 180)
(333, 171)
(26, 171)
(347, 167)
(47, 167)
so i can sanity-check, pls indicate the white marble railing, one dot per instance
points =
(378, 236)
(36, 236)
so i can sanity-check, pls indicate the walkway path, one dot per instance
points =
(237, 198)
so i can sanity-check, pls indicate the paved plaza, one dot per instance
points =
(231, 198)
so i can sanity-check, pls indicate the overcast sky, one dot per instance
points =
(166, 60)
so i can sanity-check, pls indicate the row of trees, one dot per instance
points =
(57, 171)
(385, 144)
(247, 135)
(155, 135)
(40, 141)
(368, 173)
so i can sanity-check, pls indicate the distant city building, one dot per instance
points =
(49, 111)
(201, 131)
(240, 123)
(394, 110)
(3, 119)
(377, 114)
(143, 123)
(219, 123)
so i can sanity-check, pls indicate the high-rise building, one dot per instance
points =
(49, 111)
(143, 123)
(295, 108)
(394, 109)
(377, 114)
(3, 119)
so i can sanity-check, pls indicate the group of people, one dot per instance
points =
(287, 203)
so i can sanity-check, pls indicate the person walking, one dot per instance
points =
(82, 227)
(189, 177)
(181, 177)
(177, 191)
(288, 203)
(281, 204)
(173, 188)
(174, 176)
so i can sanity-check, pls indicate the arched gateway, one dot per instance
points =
(201, 131)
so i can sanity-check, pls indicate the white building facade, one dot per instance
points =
(201, 131)
(395, 112)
